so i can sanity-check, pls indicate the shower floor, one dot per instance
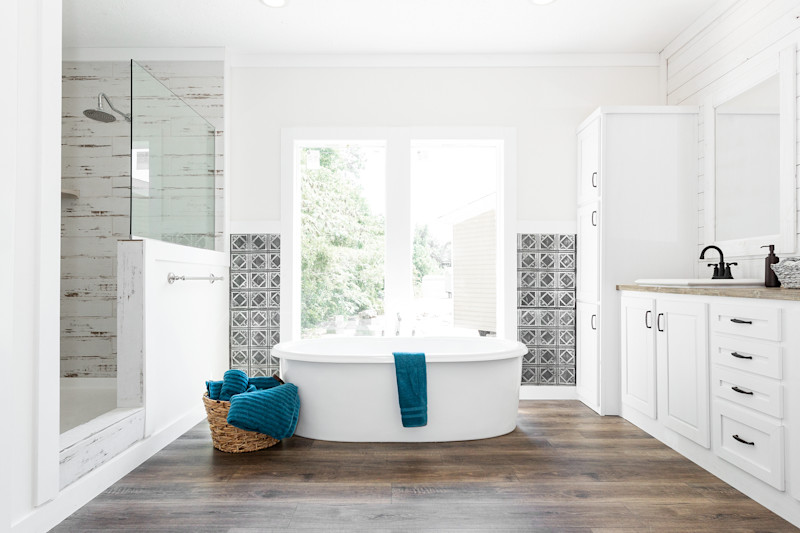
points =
(83, 399)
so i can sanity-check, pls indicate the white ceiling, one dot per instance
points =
(382, 26)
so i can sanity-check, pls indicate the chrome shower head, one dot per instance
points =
(100, 115)
(103, 116)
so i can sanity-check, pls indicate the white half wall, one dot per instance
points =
(544, 104)
(185, 328)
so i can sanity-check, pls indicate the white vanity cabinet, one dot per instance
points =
(638, 353)
(747, 390)
(637, 212)
(665, 363)
(682, 347)
(716, 376)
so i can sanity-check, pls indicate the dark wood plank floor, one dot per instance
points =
(563, 469)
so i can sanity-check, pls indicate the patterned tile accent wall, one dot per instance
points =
(255, 282)
(546, 307)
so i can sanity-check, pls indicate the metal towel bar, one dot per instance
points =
(172, 278)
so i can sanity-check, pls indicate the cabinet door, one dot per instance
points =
(587, 365)
(589, 162)
(638, 352)
(681, 333)
(588, 258)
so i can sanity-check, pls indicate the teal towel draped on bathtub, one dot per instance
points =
(412, 388)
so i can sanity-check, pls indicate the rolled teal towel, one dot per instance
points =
(214, 388)
(264, 382)
(233, 382)
(272, 411)
(412, 388)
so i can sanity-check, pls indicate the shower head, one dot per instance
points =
(101, 115)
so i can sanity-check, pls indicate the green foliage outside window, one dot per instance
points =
(342, 250)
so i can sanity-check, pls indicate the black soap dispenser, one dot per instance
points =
(770, 279)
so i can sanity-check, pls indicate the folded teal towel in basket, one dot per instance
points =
(233, 382)
(412, 388)
(214, 389)
(265, 382)
(272, 411)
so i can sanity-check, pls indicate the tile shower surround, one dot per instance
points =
(546, 270)
(545, 308)
(255, 281)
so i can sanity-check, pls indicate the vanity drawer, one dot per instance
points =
(756, 392)
(747, 321)
(750, 442)
(756, 356)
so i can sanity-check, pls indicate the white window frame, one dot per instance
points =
(398, 214)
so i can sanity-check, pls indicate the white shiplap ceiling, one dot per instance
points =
(383, 26)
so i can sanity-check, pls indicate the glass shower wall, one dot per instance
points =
(173, 192)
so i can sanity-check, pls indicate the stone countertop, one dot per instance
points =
(762, 293)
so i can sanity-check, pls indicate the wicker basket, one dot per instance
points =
(788, 272)
(227, 438)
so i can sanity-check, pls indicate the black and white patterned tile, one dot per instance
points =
(546, 307)
(255, 302)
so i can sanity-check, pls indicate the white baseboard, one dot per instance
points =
(535, 392)
(89, 486)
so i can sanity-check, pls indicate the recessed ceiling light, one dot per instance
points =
(539, 2)
(274, 3)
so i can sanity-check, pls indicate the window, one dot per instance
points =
(342, 237)
(395, 231)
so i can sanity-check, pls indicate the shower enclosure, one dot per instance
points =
(137, 162)
(173, 192)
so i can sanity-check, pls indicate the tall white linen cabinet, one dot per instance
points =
(637, 218)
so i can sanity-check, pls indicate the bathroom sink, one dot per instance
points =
(694, 282)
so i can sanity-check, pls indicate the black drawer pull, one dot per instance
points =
(740, 439)
(740, 356)
(658, 322)
(594, 321)
(740, 391)
(647, 323)
(740, 321)
(594, 182)
(594, 218)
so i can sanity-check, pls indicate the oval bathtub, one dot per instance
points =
(348, 390)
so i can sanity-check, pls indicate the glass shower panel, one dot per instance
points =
(172, 167)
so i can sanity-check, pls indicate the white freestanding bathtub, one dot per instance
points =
(348, 389)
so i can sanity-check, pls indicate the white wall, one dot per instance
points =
(31, 54)
(711, 59)
(545, 104)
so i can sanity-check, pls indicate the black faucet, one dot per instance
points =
(721, 270)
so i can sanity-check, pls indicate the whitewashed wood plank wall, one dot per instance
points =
(96, 164)
(748, 32)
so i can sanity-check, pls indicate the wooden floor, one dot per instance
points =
(563, 469)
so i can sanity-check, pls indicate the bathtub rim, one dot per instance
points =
(504, 349)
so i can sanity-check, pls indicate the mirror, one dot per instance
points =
(750, 191)
(747, 163)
